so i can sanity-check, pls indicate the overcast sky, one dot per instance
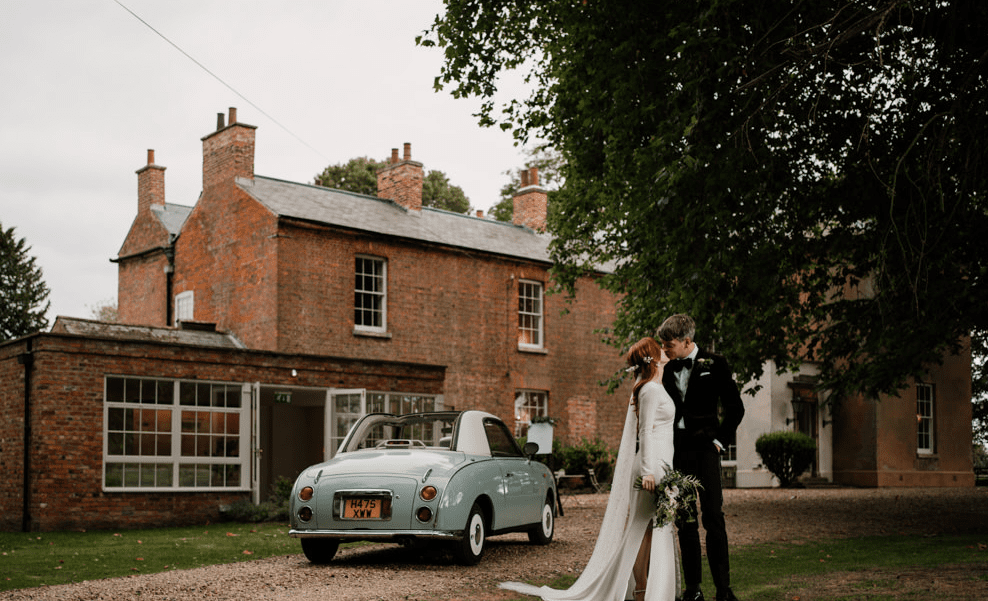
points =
(86, 89)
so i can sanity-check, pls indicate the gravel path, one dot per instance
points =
(387, 572)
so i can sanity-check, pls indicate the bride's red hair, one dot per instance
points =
(644, 356)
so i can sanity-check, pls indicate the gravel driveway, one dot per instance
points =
(387, 572)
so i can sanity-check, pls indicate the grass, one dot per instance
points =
(759, 572)
(36, 559)
(767, 572)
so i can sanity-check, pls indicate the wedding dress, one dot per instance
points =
(607, 576)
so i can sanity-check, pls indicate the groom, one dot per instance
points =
(708, 411)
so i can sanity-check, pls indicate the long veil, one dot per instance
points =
(607, 573)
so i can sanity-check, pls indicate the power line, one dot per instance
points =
(218, 78)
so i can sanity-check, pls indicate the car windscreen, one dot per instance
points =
(415, 431)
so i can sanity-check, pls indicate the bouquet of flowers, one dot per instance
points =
(674, 492)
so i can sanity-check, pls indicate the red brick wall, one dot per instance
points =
(450, 308)
(67, 422)
(11, 435)
(227, 256)
(875, 440)
(142, 290)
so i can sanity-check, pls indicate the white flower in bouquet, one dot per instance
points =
(681, 493)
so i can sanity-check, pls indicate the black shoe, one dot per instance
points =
(727, 595)
(691, 594)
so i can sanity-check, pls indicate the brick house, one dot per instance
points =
(257, 325)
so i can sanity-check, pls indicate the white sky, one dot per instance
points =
(86, 89)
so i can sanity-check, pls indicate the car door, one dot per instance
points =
(519, 489)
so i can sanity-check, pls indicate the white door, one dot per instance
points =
(343, 408)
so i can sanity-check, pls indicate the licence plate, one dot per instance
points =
(358, 508)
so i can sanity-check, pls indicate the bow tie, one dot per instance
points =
(679, 364)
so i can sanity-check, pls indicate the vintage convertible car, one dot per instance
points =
(453, 477)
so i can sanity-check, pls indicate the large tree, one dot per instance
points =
(360, 175)
(807, 179)
(23, 292)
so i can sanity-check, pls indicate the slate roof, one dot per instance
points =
(371, 214)
(171, 216)
(188, 337)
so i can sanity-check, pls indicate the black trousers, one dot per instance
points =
(703, 461)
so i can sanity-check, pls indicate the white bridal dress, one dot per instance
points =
(607, 576)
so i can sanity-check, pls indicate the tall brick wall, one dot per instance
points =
(67, 422)
(226, 252)
(448, 308)
(878, 437)
(142, 290)
(11, 434)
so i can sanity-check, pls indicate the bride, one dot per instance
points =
(632, 560)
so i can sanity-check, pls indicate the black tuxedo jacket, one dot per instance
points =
(712, 408)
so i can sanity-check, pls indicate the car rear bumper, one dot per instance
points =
(378, 535)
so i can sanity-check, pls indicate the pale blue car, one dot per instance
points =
(451, 477)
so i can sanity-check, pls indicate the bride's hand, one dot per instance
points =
(648, 483)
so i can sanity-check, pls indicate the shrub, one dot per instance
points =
(786, 454)
(579, 459)
(588, 454)
(274, 509)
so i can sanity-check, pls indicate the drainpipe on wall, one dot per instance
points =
(169, 274)
(27, 360)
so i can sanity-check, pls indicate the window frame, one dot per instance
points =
(523, 401)
(925, 419)
(538, 315)
(180, 301)
(382, 295)
(174, 462)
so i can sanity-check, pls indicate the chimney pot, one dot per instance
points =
(530, 202)
(227, 153)
(150, 156)
(401, 181)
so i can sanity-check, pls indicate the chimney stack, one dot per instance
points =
(401, 181)
(150, 185)
(228, 152)
(531, 202)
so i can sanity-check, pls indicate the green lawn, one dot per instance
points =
(767, 572)
(35, 559)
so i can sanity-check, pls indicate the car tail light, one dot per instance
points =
(424, 514)
(305, 494)
(305, 514)
(428, 493)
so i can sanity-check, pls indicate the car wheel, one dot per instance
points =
(320, 550)
(541, 534)
(470, 549)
